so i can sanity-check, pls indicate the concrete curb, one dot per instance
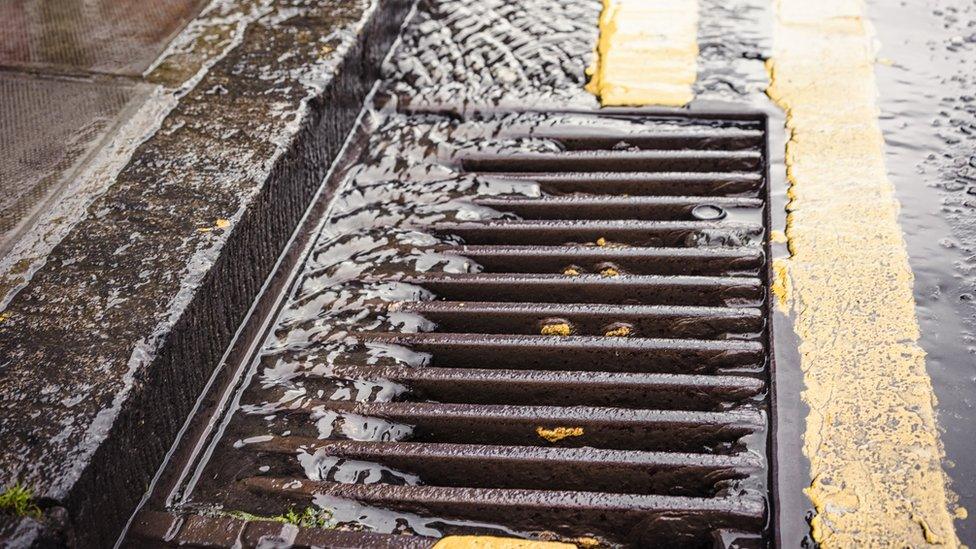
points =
(107, 348)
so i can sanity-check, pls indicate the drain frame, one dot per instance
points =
(206, 425)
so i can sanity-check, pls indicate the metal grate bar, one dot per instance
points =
(562, 388)
(588, 138)
(672, 261)
(644, 208)
(613, 161)
(594, 319)
(576, 352)
(630, 232)
(642, 183)
(586, 469)
(587, 288)
(643, 518)
(617, 428)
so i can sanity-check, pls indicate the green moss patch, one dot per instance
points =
(311, 517)
(19, 502)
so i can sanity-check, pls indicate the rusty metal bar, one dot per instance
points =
(612, 161)
(583, 469)
(640, 519)
(585, 288)
(612, 354)
(591, 319)
(630, 232)
(642, 183)
(562, 388)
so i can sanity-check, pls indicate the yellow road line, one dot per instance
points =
(647, 53)
(871, 434)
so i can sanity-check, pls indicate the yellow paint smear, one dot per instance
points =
(490, 542)
(558, 329)
(781, 284)
(558, 433)
(871, 437)
(622, 331)
(647, 53)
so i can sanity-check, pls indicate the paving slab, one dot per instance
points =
(48, 126)
(108, 36)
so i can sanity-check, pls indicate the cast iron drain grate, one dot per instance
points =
(598, 368)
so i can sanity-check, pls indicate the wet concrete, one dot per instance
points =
(109, 342)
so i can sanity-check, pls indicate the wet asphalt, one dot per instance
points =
(926, 75)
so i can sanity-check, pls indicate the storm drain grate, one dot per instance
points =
(598, 374)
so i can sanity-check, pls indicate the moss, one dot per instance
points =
(311, 517)
(19, 501)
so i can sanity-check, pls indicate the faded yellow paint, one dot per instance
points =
(647, 53)
(558, 433)
(871, 436)
(781, 284)
(491, 542)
